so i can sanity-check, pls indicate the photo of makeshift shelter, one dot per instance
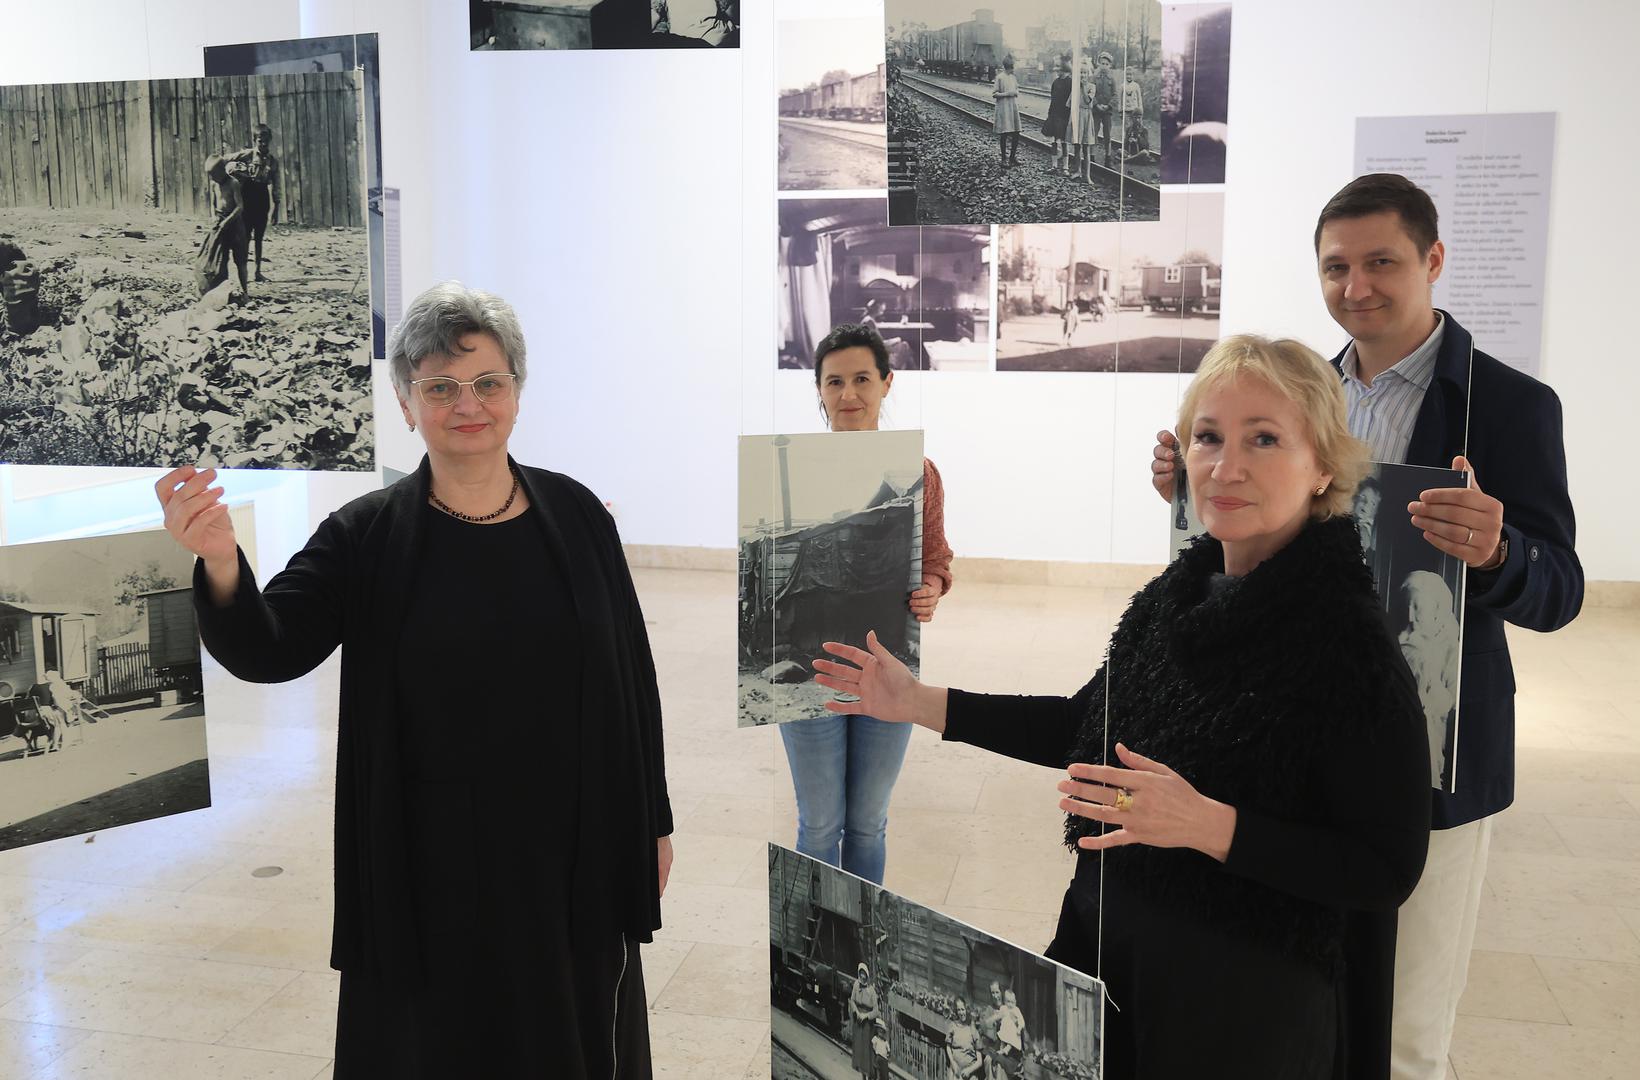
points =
(926, 290)
(102, 714)
(830, 549)
(858, 971)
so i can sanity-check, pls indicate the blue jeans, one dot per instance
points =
(843, 769)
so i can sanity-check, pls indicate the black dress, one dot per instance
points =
(488, 697)
(1057, 123)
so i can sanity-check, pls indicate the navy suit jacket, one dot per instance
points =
(1509, 427)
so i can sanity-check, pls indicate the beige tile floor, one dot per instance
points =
(151, 952)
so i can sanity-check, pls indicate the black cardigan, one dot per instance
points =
(349, 586)
(1285, 696)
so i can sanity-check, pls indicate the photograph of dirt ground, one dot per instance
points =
(185, 274)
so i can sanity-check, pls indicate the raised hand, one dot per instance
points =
(886, 688)
(198, 518)
(1164, 466)
(195, 513)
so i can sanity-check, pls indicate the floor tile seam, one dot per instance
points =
(102, 945)
(1567, 840)
(189, 1042)
(1560, 1004)
(40, 1070)
(227, 1027)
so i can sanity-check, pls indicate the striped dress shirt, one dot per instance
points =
(1383, 415)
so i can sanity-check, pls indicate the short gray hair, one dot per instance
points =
(435, 322)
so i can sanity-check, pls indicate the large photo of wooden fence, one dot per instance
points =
(863, 981)
(185, 273)
(102, 707)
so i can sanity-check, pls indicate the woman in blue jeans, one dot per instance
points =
(844, 767)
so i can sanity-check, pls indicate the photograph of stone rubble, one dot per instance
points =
(185, 274)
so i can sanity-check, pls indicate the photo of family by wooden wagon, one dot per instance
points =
(102, 711)
(867, 984)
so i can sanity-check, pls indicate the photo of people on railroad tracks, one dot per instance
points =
(1041, 111)
(833, 97)
(926, 291)
(864, 983)
(102, 710)
(830, 528)
(185, 274)
(1143, 296)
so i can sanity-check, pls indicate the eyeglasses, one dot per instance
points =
(441, 391)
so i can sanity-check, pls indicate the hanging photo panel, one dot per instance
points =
(866, 982)
(138, 328)
(102, 708)
(344, 52)
(830, 549)
(1040, 111)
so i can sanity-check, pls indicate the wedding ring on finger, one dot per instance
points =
(1124, 799)
(1470, 539)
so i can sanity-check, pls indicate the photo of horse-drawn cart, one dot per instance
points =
(102, 715)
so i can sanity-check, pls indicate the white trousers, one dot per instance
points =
(1435, 932)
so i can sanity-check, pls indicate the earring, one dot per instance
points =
(1322, 490)
(412, 427)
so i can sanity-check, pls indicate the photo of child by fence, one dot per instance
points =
(185, 274)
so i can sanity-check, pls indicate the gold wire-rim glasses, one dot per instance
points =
(511, 384)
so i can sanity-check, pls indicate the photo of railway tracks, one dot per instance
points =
(1047, 111)
(833, 100)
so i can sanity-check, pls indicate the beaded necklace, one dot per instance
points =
(457, 514)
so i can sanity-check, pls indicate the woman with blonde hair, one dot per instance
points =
(1251, 754)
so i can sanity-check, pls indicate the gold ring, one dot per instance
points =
(1124, 799)
(1470, 538)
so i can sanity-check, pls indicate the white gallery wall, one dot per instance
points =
(625, 203)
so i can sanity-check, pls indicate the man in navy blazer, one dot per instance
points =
(1419, 392)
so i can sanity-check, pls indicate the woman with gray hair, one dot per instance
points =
(502, 822)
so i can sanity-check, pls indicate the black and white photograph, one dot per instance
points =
(341, 53)
(1195, 92)
(833, 101)
(102, 711)
(1186, 524)
(927, 291)
(864, 983)
(1422, 590)
(139, 328)
(514, 25)
(1139, 296)
(1039, 111)
(830, 543)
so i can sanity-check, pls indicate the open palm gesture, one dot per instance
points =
(886, 688)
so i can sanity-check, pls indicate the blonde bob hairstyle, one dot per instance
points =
(1296, 372)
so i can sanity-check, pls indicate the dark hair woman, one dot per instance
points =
(844, 766)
